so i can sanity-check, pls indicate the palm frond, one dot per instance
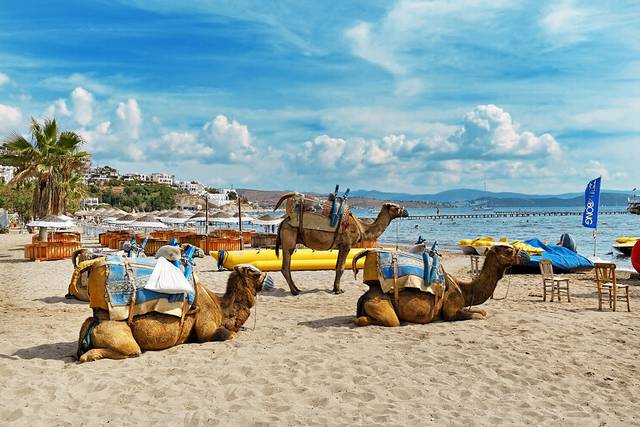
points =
(69, 141)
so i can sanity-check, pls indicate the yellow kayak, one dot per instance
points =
(302, 259)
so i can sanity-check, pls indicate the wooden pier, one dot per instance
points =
(508, 214)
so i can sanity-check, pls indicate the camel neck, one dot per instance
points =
(376, 228)
(236, 303)
(481, 288)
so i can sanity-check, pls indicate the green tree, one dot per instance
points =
(53, 158)
(18, 199)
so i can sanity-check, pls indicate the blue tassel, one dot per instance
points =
(427, 272)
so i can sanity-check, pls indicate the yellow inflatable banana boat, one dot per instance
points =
(302, 259)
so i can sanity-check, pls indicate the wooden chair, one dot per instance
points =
(550, 282)
(606, 283)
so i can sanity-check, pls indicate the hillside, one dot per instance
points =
(372, 198)
(269, 199)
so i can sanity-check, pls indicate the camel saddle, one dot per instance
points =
(316, 213)
(395, 270)
(117, 285)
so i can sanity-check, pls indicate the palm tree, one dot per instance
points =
(52, 158)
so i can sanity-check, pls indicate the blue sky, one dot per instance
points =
(414, 96)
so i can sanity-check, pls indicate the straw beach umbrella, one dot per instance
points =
(148, 222)
(268, 220)
(51, 221)
(223, 217)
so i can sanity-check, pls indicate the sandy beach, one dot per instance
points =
(304, 363)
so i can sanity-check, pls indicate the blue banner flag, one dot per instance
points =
(591, 198)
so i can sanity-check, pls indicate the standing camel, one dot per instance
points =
(354, 231)
(213, 319)
(415, 306)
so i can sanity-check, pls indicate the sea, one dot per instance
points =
(447, 233)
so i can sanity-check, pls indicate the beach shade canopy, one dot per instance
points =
(124, 219)
(245, 218)
(223, 217)
(176, 218)
(198, 217)
(147, 221)
(268, 220)
(65, 217)
(51, 221)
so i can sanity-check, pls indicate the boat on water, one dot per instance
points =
(633, 204)
(624, 245)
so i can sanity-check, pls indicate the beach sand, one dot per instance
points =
(530, 362)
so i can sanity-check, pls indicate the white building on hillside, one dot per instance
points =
(221, 198)
(162, 178)
(191, 187)
(140, 177)
(89, 202)
(6, 173)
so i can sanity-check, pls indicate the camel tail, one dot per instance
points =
(354, 263)
(282, 199)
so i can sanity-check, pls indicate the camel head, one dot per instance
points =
(248, 276)
(506, 255)
(395, 211)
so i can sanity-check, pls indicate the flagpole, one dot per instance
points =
(595, 230)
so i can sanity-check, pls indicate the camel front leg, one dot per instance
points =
(103, 353)
(469, 314)
(223, 334)
(378, 312)
(110, 340)
(286, 270)
(343, 252)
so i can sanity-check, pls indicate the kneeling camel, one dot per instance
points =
(415, 306)
(213, 319)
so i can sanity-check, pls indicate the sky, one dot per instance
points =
(403, 96)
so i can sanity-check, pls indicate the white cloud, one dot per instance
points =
(57, 109)
(488, 143)
(596, 168)
(82, 106)
(10, 118)
(565, 23)
(4, 79)
(130, 116)
(489, 131)
(219, 140)
(181, 146)
(400, 42)
(229, 139)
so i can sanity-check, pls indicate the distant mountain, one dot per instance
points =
(366, 198)
(618, 197)
(607, 199)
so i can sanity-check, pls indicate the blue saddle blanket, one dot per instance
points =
(408, 270)
(121, 286)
